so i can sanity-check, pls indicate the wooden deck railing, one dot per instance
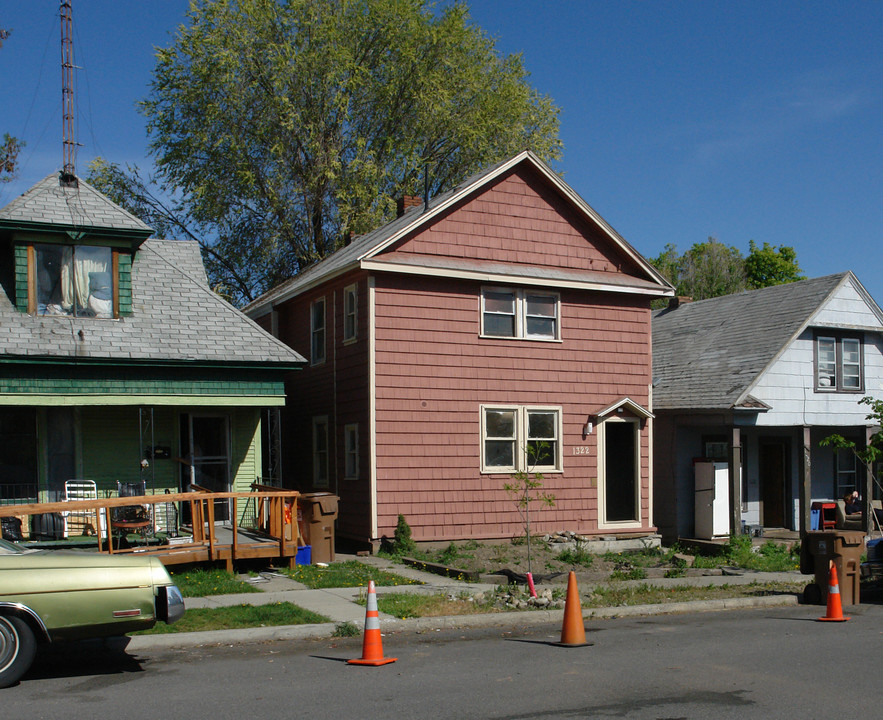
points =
(275, 534)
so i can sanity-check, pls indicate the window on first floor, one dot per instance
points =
(838, 363)
(320, 452)
(845, 472)
(519, 438)
(75, 280)
(351, 450)
(18, 454)
(520, 313)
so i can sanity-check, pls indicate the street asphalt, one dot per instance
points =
(339, 605)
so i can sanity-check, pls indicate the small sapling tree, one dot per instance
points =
(527, 488)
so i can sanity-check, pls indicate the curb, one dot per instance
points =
(515, 619)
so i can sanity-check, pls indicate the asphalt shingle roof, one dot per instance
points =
(80, 207)
(176, 317)
(706, 354)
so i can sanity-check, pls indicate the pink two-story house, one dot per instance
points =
(448, 346)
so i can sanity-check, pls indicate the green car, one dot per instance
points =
(56, 595)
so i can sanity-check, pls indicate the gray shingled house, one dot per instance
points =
(754, 381)
(117, 361)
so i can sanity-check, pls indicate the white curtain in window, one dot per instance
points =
(88, 260)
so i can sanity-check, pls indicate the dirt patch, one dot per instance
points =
(550, 564)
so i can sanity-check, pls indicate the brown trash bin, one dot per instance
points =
(844, 548)
(319, 511)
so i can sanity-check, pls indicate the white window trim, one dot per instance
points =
(602, 475)
(314, 360)
(354, 429)
(320, 424)
(521, 313)
(351, 290)
(521, 439)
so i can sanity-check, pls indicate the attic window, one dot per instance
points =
(71, 280)
(839, 366)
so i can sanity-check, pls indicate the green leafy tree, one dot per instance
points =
(874, 451)
(771, 265)
(11, 146)
(9, 150)
(286, 125)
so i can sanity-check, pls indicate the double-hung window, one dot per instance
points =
(838, 363)
(351, 450)
(317, 332)
(320, 452)
(350, 313)
(519, 438)
(520, 313)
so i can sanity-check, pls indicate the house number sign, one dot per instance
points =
(580, 449)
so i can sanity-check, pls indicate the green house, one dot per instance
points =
(118, 364)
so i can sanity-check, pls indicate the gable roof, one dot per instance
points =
(48, 204)
(365, 251)
(176, 318)
(708, 355)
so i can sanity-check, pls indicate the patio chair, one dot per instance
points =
(79, 522)
(131, 518)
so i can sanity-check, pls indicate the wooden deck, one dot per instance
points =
(272, 531)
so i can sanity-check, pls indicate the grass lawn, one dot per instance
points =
(410, 605)
(350, 573)
(202, 582)
(238, 616)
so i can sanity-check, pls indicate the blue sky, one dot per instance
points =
(680, 120)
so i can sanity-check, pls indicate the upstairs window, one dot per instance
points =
(520, 314)
(839, 363)
(73, 280)
(317, 332)
(350, 315)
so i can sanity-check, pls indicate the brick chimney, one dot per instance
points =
(407, 201)
(679, 300)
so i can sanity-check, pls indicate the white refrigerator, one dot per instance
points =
(712, 508)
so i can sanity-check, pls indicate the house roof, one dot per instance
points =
(365, 251)
(176, 317)
(708, 355)
(65, 208)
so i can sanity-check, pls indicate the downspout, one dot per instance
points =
(372, 412)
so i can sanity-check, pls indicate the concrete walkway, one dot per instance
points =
(339, 604)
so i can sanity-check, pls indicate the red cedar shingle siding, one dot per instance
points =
(519, 220)
(311, 392)
(432, 374)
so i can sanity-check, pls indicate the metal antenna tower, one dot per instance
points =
(68, 173)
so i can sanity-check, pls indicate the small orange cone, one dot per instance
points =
(573, 632)
(835, 610)
(372, 645)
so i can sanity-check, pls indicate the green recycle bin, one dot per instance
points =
(842, 547)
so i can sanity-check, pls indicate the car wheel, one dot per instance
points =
(17, 649)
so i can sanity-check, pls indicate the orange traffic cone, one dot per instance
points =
(573, 632)
(372, 645)
(835, 610)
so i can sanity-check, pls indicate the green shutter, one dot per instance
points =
(21, 278)
(124, 282)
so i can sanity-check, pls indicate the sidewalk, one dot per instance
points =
(339, 604)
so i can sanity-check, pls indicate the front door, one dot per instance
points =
(773, 468)
(207, 439)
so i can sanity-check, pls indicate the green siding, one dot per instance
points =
(21, 278)
(111, 452)
(124, 284)
(245, 425)
(121, 381)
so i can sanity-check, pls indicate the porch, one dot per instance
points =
(261, 524)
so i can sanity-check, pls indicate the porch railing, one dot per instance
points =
(273, 523)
